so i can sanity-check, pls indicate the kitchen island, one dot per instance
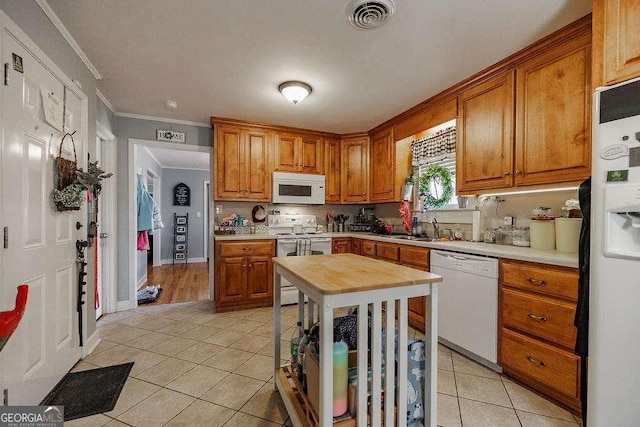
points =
(344, 280)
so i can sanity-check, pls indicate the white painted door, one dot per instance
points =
(41, 246)
(102, 245)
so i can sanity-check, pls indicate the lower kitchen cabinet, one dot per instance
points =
(368, 248)
(415, 257)
(356, 246)
(244, 274)
(341, 245)
(536, 333)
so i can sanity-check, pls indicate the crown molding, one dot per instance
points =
(106, 102)
(162, 119)
(68, 37)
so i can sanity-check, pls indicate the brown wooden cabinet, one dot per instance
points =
(382, 161)
(242, 163)
(617, 27)
(548, 141)
(298, 153)
(354, 181)
(484, 157)
(341, 245)
(553, 115)
(356, 246)
(368, 248)
(388, 252)
(418, 258)
(332, 168)
(536, 338)
(244, 274)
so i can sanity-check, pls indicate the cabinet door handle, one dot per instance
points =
(506, 173)
(250, 265)
(538, 318)
(536, 361)
(518, 172)
(536, 282)
(246, 249)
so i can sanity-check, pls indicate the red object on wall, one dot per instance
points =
(9, 319)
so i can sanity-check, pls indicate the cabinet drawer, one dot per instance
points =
(413, 256)
(544, 317)
(541, 278)
(263, 247)
(549, 365)
(368, 248)
(387, 252)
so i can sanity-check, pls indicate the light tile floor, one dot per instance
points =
(193, 367)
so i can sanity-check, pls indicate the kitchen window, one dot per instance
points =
(449, 163)
(435, 146)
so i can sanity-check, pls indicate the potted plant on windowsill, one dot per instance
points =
(407, 186)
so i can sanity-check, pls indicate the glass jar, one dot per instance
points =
(521, 236)
(504, 235)
(490, 235)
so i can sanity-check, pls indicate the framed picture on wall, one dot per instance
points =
(181, 247)
(180, 255)
(181, 220)
(181, 238)
(181, 229)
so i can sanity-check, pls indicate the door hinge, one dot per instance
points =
(6, 237)
(6, 74)
(5, 397)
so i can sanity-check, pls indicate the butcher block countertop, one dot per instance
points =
(343, 273)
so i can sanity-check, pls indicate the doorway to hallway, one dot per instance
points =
(179, 264)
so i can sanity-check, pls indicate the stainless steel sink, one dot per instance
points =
(406, 237)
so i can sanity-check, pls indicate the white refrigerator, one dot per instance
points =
(614, 300)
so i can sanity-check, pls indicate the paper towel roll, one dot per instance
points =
(475, 227)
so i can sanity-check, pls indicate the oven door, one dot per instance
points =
(289, 247)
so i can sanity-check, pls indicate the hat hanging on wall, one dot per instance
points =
(258, 214)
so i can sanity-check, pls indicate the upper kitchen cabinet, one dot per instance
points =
(332, 168)
(382, 161)
(241, 163)
(354, 181)
(298, 153)
(484, 154)
(390, 164)
(616, 37)
(553, 114)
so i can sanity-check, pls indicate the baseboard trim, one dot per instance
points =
(124, 306)
(141, 281)
(92, 343)
(189, 261)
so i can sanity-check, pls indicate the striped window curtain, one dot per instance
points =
(434, 148)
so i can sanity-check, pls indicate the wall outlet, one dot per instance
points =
(508, 220)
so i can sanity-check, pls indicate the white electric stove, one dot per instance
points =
(296, 236)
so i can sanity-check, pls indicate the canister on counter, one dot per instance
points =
(542, 233)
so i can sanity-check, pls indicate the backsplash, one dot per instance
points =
(519, 206)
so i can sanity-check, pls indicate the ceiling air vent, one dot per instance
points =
(369, 15)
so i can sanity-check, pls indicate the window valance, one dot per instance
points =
(433, 148)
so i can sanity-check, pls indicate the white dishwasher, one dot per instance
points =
(468, 305)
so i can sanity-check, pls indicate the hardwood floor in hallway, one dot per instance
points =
(180, 283)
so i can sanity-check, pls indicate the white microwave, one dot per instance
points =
(298, 188)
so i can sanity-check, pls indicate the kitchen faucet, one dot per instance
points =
(449, 232)
(436, 230)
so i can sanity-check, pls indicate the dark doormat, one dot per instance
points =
(89, 392)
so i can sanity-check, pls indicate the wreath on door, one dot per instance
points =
(436, 187)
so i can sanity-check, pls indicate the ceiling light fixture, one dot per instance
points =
(172, 105)
(294, 90)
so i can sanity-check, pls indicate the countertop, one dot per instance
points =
(551, 257)
(344, 273)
